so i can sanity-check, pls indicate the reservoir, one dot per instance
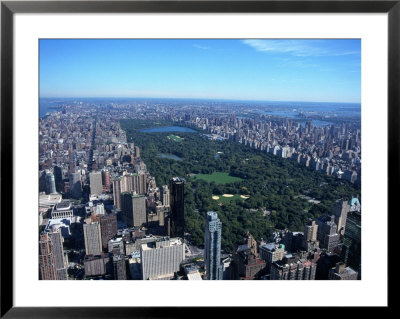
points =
(170, 156)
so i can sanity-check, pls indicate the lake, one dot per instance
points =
(170, 156)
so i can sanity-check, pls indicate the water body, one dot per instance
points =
(294, 109)
(168, 129)
(170, 156)
(48, 106)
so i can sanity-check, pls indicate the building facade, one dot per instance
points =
(50, 183)
(133, 207)
(351, 249)
(176, 217)
(341, 272)
(327, 233)
(212, 247)
(59, 257)
(47, 263)
(96, 184)
(119, 266)
(108, 227)
(161, 258)
(270, 253)
(92, 237)
(97, 265)
(293, 268)
(64, 209)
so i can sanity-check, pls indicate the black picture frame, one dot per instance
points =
(9, 8)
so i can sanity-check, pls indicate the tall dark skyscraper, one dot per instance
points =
(108, 227)
(176, 218)
(58, 178)
(351, 250)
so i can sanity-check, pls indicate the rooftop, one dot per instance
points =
(65, 205)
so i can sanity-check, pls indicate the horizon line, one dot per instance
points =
(190, 98)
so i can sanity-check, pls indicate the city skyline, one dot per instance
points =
(249, 69)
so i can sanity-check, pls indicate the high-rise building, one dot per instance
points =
(47, 263)
(119, 265)
(50, 183)
(117, 192)
(291, 267)
(109, 228)
(341, 272)
(116, 246)
(310, 241)
(96, 185)
(133, 208)
(161, 258)
(165, 195)
(58, 253)
(327, 233)
(105, 176)
(270, 253)
(58, 176)
(247, 265)
(212, 247)
(92, 236)
(98, 265)
(351, 249)
(176, 217)
(340, 211)
(128, 183)
(75, 185)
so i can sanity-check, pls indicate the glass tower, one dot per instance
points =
(177, 220)
(351, 252)
(212, 247)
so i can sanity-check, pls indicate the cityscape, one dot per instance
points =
(182, 178)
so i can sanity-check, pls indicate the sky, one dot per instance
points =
(314, 70)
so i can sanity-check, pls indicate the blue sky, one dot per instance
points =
(248, 69)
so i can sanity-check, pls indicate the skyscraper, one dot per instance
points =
(128, 183)
(341, 272)
(105, 175)
(212, 247)
(165, 195)
(50, 183)
(109, 228)
(47, 263)
(119, 266)
(58, 178)
(133, 208)
(117, 192)
(161, 258)
(340, 210)
(291, 267)
(310, 236)
(96, 186)
(92, 236)
(58, 253)
(327, 233)
(351, 250)
(176, 218)
(75, 185)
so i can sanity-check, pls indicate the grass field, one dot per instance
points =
(217, 177)
(222, 199)
(175, 138)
